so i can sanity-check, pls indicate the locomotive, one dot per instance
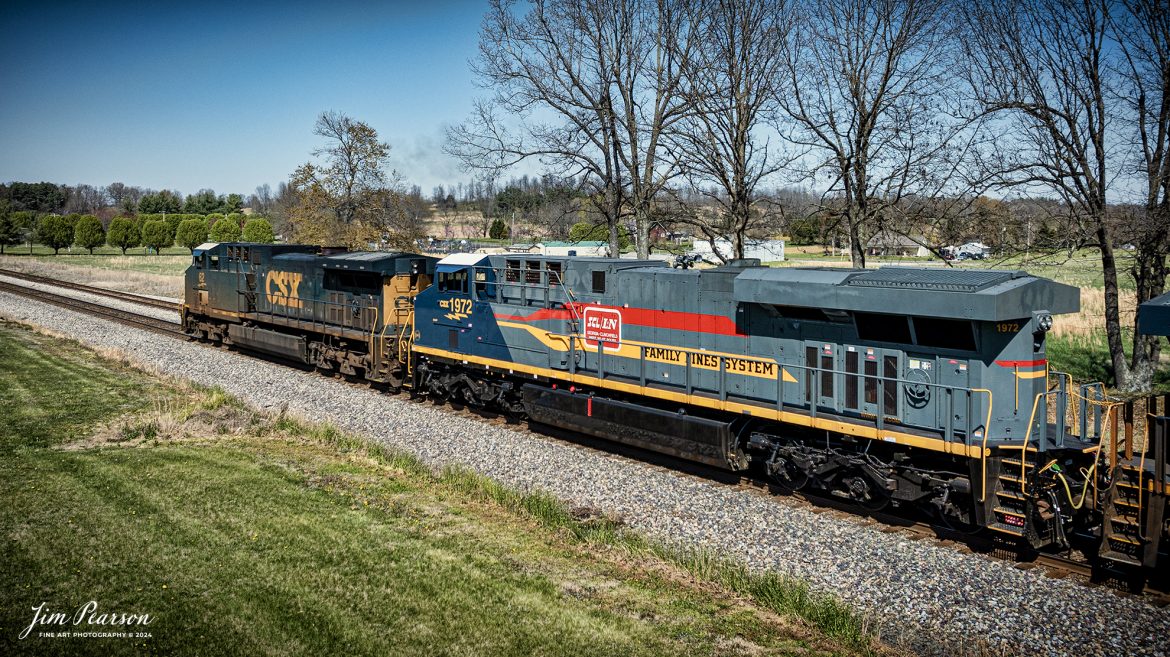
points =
(922, 387)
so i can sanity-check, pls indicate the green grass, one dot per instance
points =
(49, 398)
(243, 533)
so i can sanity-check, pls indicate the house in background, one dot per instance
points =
(892, 245)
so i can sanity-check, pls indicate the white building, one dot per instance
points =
(764, 250)
(582, 249)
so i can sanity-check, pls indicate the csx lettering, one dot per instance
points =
(282, 288)
(460, 307)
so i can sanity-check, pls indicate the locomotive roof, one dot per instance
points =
(1154, 316)
(981, 294)
(383, 262)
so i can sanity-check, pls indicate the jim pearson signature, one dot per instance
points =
(86, 614)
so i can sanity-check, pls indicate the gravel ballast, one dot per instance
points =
(934, 599)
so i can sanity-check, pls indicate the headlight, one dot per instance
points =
(1044, 322)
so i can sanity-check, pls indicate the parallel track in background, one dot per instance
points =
(127, 317)
(128, 297)
(1055, 566)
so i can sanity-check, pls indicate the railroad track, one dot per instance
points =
(128, 297)
(1055, 566)
(129, 318)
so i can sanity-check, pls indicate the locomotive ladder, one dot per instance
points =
(1135, 497)
(1012, 505)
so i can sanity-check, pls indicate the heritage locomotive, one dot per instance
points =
(926, 387)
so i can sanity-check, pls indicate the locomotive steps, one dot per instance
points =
(931, 599)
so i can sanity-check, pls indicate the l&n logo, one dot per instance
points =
(603, 325)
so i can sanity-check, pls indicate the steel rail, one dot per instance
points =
(129, 297)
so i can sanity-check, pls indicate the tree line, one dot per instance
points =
(151, 231)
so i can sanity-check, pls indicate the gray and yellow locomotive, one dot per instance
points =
(924, 387)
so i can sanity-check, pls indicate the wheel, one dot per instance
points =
(866, 495)
(786, 475)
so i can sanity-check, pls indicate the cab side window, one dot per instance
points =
(454, 282)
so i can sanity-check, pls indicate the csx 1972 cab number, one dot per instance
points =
(1008, 327)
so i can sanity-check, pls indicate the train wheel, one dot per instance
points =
(866, 495)
(786, 475)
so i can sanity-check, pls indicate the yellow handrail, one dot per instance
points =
(373, 328)
(986, 435)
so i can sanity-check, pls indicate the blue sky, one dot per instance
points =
(224, 95)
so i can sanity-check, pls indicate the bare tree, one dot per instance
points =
(594, 84)
(344, 196)
(1045, 65)
(1143, 31)
(870, 91)
(731, 79)
(262, 201)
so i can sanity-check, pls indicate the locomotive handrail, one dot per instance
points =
(373, 328)
(542, 285)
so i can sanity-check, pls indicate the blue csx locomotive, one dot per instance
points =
(928, 387)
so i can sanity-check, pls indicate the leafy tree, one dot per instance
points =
(514, 199)
(88, 233)
(803, 232)
(55, 232)
(583, 231)
(37, 197)
(157, 235)
(191, 233)
(231, 203)
(173, 221)
(258, 230)
(9, 232)
(123, 234)
(212, 218)
(164, 201)
(499, 230)
(202, 202)
(225, 230)
(24, 223)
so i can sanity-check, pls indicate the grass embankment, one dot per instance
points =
(243, 533)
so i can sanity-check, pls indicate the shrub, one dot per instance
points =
(55, 232)
(157, 235)
(123, 234)
(89, 233)
(259, 230)
(498, 230)
(225, 230)
(191, 233)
